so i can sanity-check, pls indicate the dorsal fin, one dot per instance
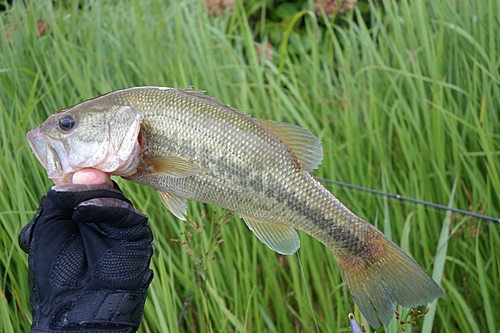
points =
(189, 90)
(305, 145)
(200, 94)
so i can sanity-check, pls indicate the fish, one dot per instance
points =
(190, 146)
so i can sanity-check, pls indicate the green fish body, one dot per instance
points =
(187, 145)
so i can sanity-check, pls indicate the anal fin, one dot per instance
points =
(176, 205)
(278, 236)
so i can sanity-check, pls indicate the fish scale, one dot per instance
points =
(187, 145)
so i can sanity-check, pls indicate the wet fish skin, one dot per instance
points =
(189, 146)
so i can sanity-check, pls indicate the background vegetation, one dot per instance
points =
(408, 104)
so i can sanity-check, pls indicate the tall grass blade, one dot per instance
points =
(440, 259)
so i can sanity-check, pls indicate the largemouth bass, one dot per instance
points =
(187, 145)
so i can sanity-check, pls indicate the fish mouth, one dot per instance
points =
(38, 145)
(46, 152)
(53, 156)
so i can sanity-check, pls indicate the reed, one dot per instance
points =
(408, 105)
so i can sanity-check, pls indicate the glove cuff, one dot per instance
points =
(94, 311)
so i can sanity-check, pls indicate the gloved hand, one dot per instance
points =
(89, 254)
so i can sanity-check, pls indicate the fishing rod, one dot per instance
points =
(403, 198)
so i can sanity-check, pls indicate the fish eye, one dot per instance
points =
(66, 123)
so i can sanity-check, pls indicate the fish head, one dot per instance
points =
(88, 135)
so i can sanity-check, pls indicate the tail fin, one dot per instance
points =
(381, 276)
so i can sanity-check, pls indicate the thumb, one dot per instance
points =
(91, 177)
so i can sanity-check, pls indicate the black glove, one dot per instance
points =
(89, 253)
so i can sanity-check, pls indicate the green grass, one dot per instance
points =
(409, 105)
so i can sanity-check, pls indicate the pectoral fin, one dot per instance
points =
(175, 204)
(172, 166)
(278, 236)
